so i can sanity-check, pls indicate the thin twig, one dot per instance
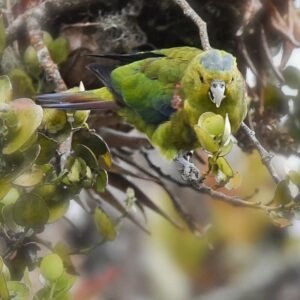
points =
(200, 187)
(269, 57)
(189, 12)
(266, 157)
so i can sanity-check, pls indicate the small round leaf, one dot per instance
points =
(52, 267)
(104, 225)
(31, 211)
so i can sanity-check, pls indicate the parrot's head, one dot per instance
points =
(214, 73)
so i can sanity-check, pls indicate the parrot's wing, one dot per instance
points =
(148, 86)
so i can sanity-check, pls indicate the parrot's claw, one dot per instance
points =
(189, 172)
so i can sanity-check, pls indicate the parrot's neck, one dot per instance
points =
(195, 107)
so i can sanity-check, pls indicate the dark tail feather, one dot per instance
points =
(99, 105)
(66, 97)
(84, 100)
(127, 58)
(103, 72)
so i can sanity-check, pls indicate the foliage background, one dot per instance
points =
(224, 252)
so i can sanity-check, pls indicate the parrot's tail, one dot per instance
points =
(82, 100)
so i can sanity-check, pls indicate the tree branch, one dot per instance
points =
(201, 187)
(266, 157)
(189, 12)
(36, 39)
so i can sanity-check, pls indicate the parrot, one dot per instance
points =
(162, 93)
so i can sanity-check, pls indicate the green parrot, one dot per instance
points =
(164, 92)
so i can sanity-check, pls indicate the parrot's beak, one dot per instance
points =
(217, 91)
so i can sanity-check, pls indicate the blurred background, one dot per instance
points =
(221, 252)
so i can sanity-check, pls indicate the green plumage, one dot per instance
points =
(164, 96)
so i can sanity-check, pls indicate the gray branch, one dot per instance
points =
(266, 156)
(189, 12)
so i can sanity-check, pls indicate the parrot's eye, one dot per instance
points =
(232, 79)
(201, 78)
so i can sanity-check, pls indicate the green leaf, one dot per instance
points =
(212, 123)
(282, 195)
(4, 293)
(18, 290)
(48, 149)
(32, 63)
(294, 178)
(74, 173)
(87, 155)
(80, 118)
(11, 120)
(21, 83)
(31, 211)
(11, 197)
(5, 89)
(101, 181)
(64, 253)
(47, 38)
(29, 116)
(64, 283)
(57, 210)
(45, 294)
(46, 191)
(4, 188)
(54, 120)
(107, 159)
(291, 75)
(104, 225)
(206, 141)
(52, 267)
(224, 167)
(224, 150)
(8, 218)
(91, 140)
(4, 270)
(29, 178)
(59, 50)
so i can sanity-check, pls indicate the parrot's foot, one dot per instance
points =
(189, 172)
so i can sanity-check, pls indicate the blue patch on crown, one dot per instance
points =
(214, 61)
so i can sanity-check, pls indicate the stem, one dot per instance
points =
(36, 39)
(266, 157)
(189, 12)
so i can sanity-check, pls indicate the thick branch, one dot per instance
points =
(189, 12)
(266, 157)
